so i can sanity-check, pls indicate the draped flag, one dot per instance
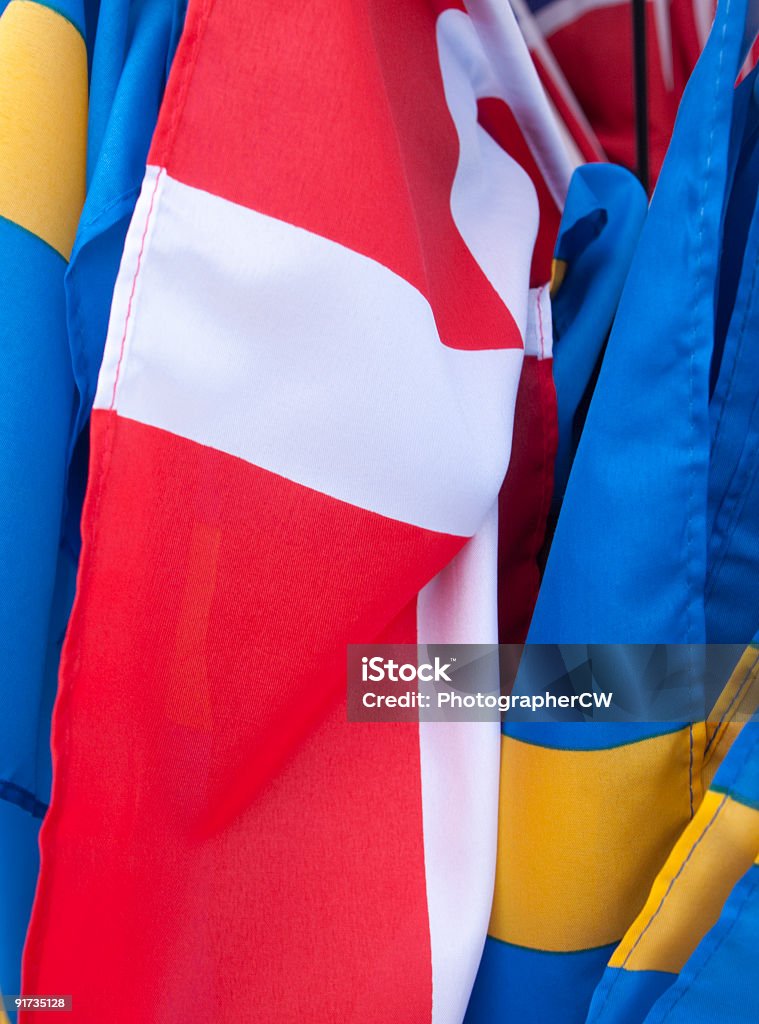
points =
(59, 270)
(688, 956)
(655, 544)
(43, 113)
(301, 427)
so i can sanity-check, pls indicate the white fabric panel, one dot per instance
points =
(460, 766)
(703, 12)
(493, 202)
(520, 86)
(536, 43)
(301, 356)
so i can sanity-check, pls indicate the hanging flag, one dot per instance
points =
(43, 112)
(632, 562)
(301, 427)
(592, 43)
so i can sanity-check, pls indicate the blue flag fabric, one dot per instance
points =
(656, 543)
(56, 282)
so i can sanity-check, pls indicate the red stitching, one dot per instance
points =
(134, 287)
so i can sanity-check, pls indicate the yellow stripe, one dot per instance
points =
(714, 852)
(582, 835)
(43, 122)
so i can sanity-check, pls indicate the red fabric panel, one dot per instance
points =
(525, 499)
(587, 145)
(685, 39)
(595, 53)
(358, 85)
(217, 827)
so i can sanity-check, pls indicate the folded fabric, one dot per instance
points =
(43, 109)
(301, 427)
(57, 284)
(603, 216)
(631, 561)
(689, 955)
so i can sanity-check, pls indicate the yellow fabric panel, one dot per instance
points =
(43, 122)
(714, 852)
(582, 835)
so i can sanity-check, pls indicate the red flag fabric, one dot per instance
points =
(302, 424)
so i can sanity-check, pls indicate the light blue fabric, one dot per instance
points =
(732, 585)
(19, 861)
(719, 982)
(52, 333)
(629, 557)
(36, 408)
(134, 49)
(602, 220)
(624, 997)
(36, 572)
(738, 775)
(518, 984)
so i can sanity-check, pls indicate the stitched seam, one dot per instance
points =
(725, 720)
(663, 900)
(22, 797)
(93, 220)
(750, 890)
(675, 878)
(690, 620)
(718, 810)
(137, 269)
(738, 347)
(734, 498)
(740, 764)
